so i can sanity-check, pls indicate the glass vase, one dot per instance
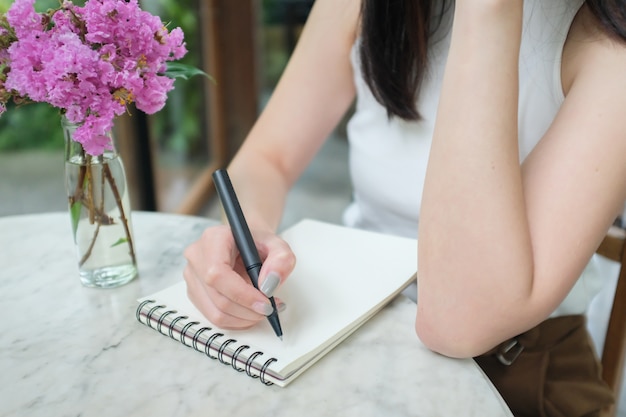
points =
(100, 214)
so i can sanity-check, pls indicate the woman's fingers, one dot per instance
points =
(278, 263)
(217, 282)
(217, 308)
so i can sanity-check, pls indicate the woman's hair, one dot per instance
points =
(394, 41)
(393, 51)
(611, 15)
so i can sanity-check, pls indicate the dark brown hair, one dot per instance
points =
(611, 15)
(394, 41)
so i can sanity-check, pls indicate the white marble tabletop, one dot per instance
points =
(68, 350)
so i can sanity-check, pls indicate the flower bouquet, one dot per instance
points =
(91, 62)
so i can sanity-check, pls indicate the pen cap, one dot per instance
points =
(234, 214)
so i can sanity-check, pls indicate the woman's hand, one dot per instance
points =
(217, 282)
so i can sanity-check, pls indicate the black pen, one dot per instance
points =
(243, 237)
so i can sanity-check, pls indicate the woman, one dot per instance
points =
(497, 123)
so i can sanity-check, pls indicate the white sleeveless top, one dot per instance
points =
(388, 158)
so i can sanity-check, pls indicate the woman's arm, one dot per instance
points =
(311, 97)
(313, 94)
(501, 245)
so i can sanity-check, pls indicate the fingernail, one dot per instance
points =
(281, 307)
(263, 308)
(270, 283)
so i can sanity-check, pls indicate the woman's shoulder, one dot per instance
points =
(592, 53)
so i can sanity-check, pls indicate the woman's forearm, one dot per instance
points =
(312, 95)
(262, 190)
(475, 255)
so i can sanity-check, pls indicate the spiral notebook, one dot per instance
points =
(343, 276)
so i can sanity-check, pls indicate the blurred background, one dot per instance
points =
(169, 156)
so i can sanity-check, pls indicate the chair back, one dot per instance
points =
(613, 247)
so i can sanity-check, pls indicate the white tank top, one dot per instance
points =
(388, 158)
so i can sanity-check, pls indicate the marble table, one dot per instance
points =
(68, 350)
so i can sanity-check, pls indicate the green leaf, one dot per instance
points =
(75, 215)
(184, 71)
(119, 242)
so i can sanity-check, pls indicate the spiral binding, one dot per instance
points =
(196, 343)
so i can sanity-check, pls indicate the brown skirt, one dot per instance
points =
(552, 370)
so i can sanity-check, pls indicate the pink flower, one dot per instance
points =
(151, 98)
(23, 18)
(91, 62)
(92, 134)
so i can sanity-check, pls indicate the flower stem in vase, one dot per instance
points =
(88, 202)
(118, 199)
(100, 215)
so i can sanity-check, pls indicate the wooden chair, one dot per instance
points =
(613, 247)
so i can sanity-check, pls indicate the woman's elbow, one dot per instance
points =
(453, 340)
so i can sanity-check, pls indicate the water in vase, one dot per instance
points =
(101, 220)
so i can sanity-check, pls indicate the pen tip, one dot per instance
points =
(281, 338)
